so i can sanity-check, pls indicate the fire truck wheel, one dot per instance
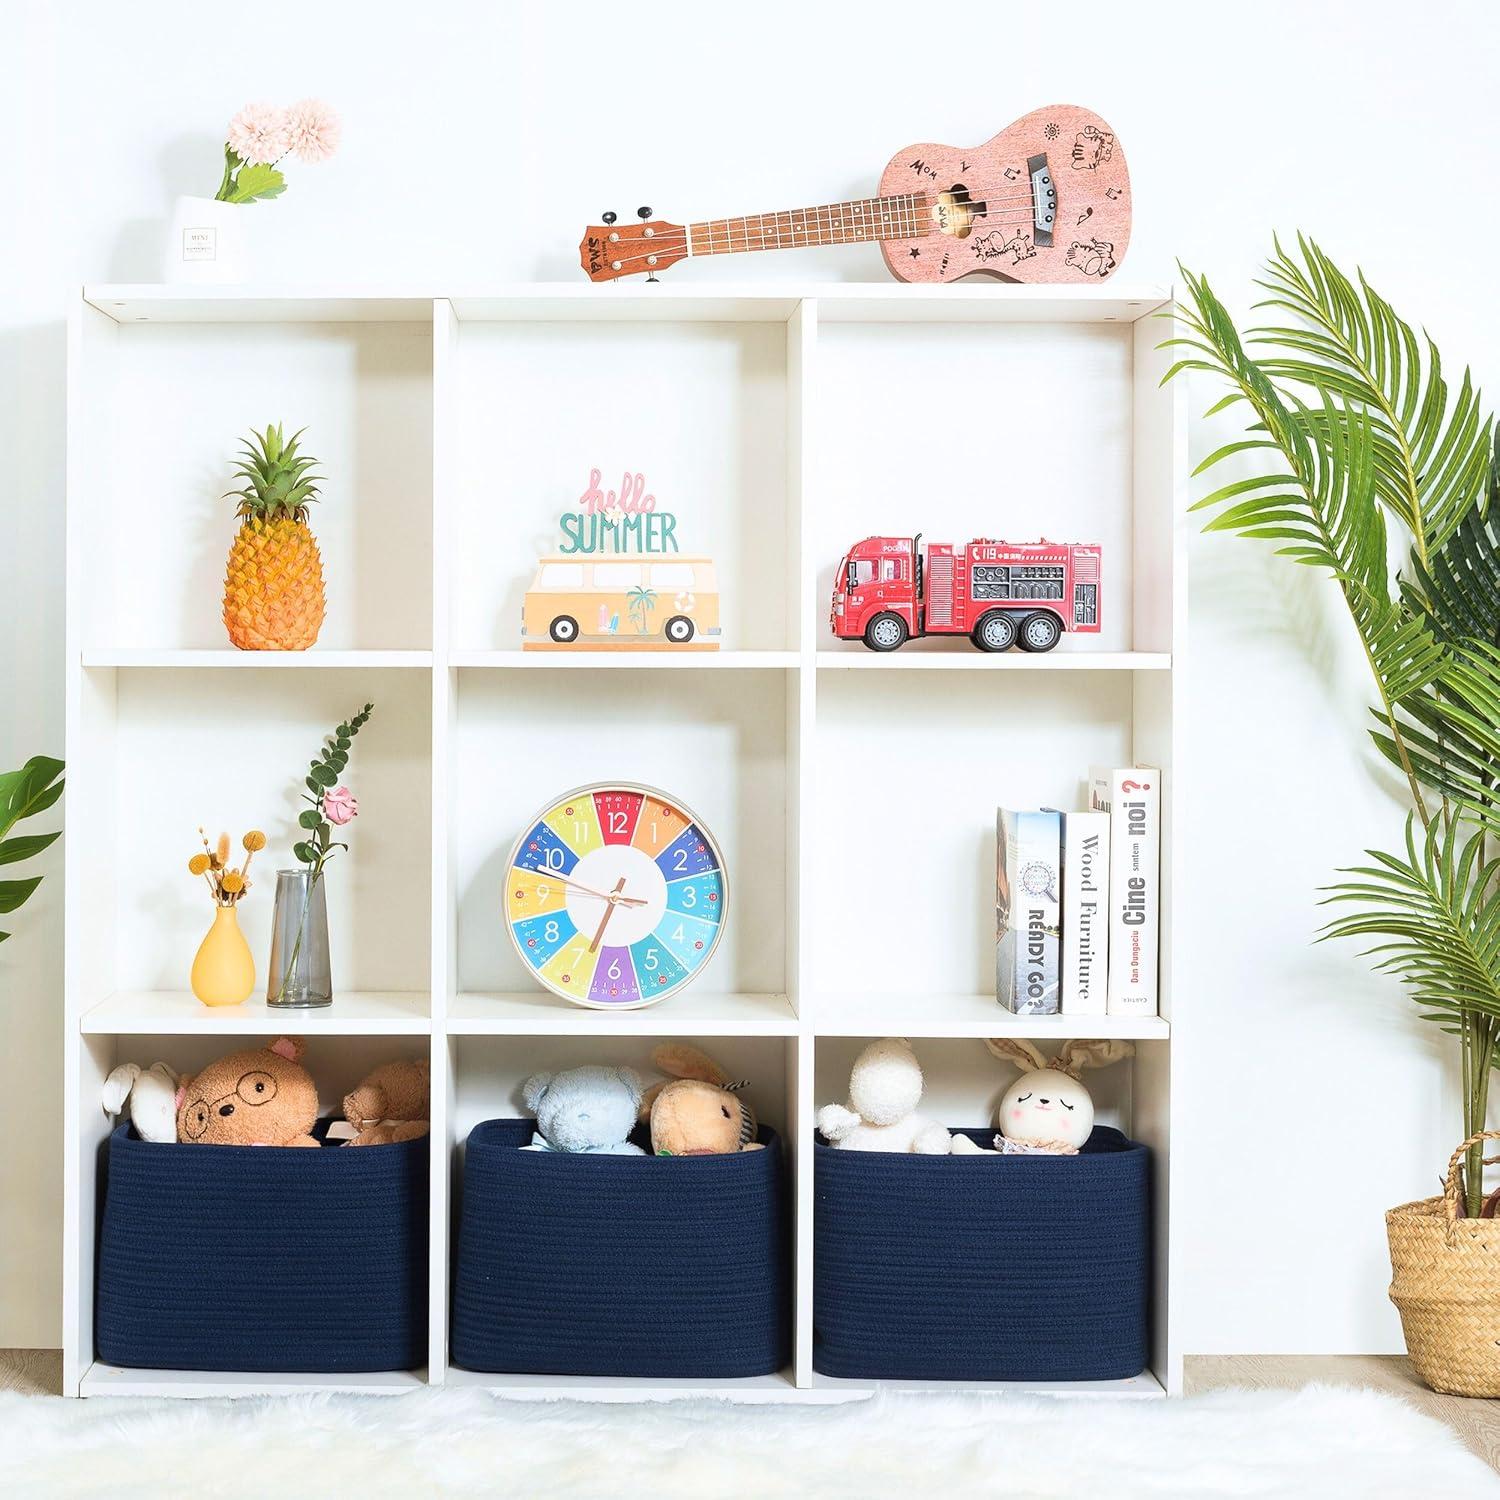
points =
(885, 633)
(564, 630)
(679, 630)
(996, 631)
(1041, 631)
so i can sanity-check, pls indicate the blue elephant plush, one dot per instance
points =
(584, 1109)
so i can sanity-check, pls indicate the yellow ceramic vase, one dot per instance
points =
(224, 971)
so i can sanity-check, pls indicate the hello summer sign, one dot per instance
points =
(626, 520)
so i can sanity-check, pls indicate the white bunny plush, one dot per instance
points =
(152, 1096)
(885, 1087)
(1047, 1111)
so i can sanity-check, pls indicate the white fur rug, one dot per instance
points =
(1357, 1445)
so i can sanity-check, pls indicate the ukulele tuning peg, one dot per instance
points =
(609, 216)
(643, 213)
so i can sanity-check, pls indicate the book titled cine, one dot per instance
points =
(1027, 911)
(1132, 799)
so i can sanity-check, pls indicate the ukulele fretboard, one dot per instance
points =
(900, 217)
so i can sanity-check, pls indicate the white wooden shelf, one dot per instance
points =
(688, 1014)
(962, 659)
(253, 661)
(110, 1380)
(1136, 1388)
(867, 1015)
(635, 661)
(168, 1013)
(782, 422)
(753, 1389)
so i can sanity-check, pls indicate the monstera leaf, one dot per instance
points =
(23, 794)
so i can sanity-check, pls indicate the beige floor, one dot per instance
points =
(1476, 1422)
(39, 1372)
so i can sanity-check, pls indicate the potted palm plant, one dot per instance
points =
(1361, 460)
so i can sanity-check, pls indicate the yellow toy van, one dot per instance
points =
(635, 602)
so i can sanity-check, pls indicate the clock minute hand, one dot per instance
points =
(588, 890)
(613, 898)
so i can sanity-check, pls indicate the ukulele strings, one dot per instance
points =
(668, 244)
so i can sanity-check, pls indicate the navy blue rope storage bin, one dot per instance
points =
(580, 1264)
(263, 1258)
(983, 1268)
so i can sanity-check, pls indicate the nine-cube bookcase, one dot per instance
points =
(854, 794)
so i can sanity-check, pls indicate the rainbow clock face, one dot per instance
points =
(616, 896)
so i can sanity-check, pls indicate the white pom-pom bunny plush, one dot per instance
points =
(885, 1087)
(1047, 1111)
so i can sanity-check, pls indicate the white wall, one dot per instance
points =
(481, 137)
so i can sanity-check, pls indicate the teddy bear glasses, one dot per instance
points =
(254, 1088)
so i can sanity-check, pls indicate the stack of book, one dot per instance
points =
(1077, 901)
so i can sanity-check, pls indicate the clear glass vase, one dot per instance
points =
(299, 977)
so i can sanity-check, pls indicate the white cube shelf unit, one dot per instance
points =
(854, 794)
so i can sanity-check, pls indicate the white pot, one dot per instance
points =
(206, 242)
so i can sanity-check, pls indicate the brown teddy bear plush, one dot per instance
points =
(260, 1097)
(701, 1113)
(390, 1105)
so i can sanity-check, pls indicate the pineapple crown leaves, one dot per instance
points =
(279, 482)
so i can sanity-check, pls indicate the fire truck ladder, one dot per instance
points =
(940, 591)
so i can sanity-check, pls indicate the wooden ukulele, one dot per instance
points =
(1048, 199)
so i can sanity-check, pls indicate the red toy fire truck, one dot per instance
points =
(999, 594)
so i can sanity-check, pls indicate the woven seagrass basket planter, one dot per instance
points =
(577, 1264)
(1445, 1281)
(238, 1258)
(983, 1267)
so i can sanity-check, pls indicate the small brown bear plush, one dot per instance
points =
(259, 1097)
(700, 1113)
(390, 1105)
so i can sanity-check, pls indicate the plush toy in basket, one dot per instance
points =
(392, 1104)
(885, 1087)
(1047, 1111)
(700, 1112)
(589, 1109)
(263, 1096)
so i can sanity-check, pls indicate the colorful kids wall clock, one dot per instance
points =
(616, 896)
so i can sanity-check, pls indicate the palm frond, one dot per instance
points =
(1438, 913)
(1431, 445)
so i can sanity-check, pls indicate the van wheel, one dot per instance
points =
(564, 630)
(1041, 631)
(885, 633)
(995, 631)
(679, 630)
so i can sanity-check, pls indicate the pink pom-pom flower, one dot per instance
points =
(313, 130)
(340, 806)
(259, 134)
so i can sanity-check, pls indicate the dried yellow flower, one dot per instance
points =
(233, 882)
(255, 841)
(198, 864)
(222, 853)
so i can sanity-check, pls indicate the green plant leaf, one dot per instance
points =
(308, 819)
(24, 846)
(305, 852)
(14, 892)
(257, 181)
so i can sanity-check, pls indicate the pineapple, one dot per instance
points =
(273, 586)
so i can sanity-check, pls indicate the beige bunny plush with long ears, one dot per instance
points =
(1047, 1111)
(701, 1111)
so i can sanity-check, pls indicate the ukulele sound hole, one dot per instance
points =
(953, 213)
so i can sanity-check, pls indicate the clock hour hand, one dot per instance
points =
(614, 899)
(590, 891)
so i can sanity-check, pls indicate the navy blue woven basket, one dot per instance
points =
(263, 1258)
(575, 1264)
(983, 1268)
